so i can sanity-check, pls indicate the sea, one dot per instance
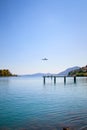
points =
(26, 103)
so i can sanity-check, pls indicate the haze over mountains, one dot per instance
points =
(63, 73)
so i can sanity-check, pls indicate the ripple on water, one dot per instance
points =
(26, 105)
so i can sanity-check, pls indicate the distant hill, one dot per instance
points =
(63, 73)
(80, 72)
(66, 72)
(37, 74)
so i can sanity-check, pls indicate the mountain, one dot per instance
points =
(66, 72)
(63, 73)
(80, 72)
(37, 74)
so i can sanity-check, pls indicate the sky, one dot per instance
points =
(33, 29)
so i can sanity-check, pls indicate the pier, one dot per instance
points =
(55, 77)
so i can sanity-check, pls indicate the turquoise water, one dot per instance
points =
(27, 104)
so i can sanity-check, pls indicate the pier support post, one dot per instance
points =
(44, 81)
(54, 79)
(74, 79)
(64, 79)
(51, 77)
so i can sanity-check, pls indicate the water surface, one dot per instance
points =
(27, 104)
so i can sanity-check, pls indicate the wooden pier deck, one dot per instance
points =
(55, 77)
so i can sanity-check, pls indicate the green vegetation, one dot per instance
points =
(6, 72)
(80, 72)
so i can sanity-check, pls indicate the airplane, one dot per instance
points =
(44, 59)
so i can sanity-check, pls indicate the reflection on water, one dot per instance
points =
(28, 104)
(4, 81)
(54, 79)
(4, 86)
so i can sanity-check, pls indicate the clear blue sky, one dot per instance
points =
(33, 29)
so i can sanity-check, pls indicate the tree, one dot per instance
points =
(5, 72)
